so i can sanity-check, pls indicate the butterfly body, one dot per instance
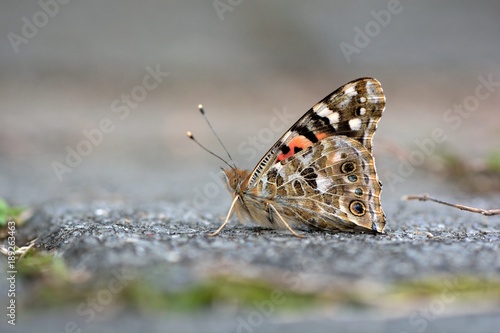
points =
(321, 173)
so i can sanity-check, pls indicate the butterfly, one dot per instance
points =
(321, 173)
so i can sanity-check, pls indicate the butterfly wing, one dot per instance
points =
(331, 185)
(352, 110)
(321, 173)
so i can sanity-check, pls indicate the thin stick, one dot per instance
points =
(286, 224)
(190, 135)
(425, 197)
(200, 107)
(227, 217)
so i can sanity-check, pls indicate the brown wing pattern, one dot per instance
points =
(331, 185)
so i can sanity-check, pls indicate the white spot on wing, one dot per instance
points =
(362, 111)
(323, 184)
(333, 118)
(322, 110)
(306, 158)
(351, 90)
(317, 107)
(355, 124)
(370, 87)
(362, 99)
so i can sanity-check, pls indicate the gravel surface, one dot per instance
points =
(421, 240)
(169, 242)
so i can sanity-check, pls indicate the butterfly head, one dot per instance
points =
(236, 179)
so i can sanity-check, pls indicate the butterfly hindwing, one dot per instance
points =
(331, 185)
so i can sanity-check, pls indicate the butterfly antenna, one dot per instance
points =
(200, 107)
(190, 135)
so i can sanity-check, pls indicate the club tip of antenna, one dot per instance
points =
(189, 135)
(200, 107)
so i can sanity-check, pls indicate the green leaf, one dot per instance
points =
(7, 213)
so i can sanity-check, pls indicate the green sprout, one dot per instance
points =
(10, 213)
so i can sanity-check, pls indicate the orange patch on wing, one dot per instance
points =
(320, 136)
(299, 142)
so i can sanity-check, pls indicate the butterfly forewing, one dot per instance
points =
(353, 111)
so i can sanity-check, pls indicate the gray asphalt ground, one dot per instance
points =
(422, 240)
(166, 245)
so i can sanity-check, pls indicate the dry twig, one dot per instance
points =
(425, 197)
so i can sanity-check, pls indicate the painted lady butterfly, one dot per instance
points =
(321, 172)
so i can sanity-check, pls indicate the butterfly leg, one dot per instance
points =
(227, 217)
(286, 224)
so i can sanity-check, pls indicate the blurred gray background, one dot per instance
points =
(65, 68)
